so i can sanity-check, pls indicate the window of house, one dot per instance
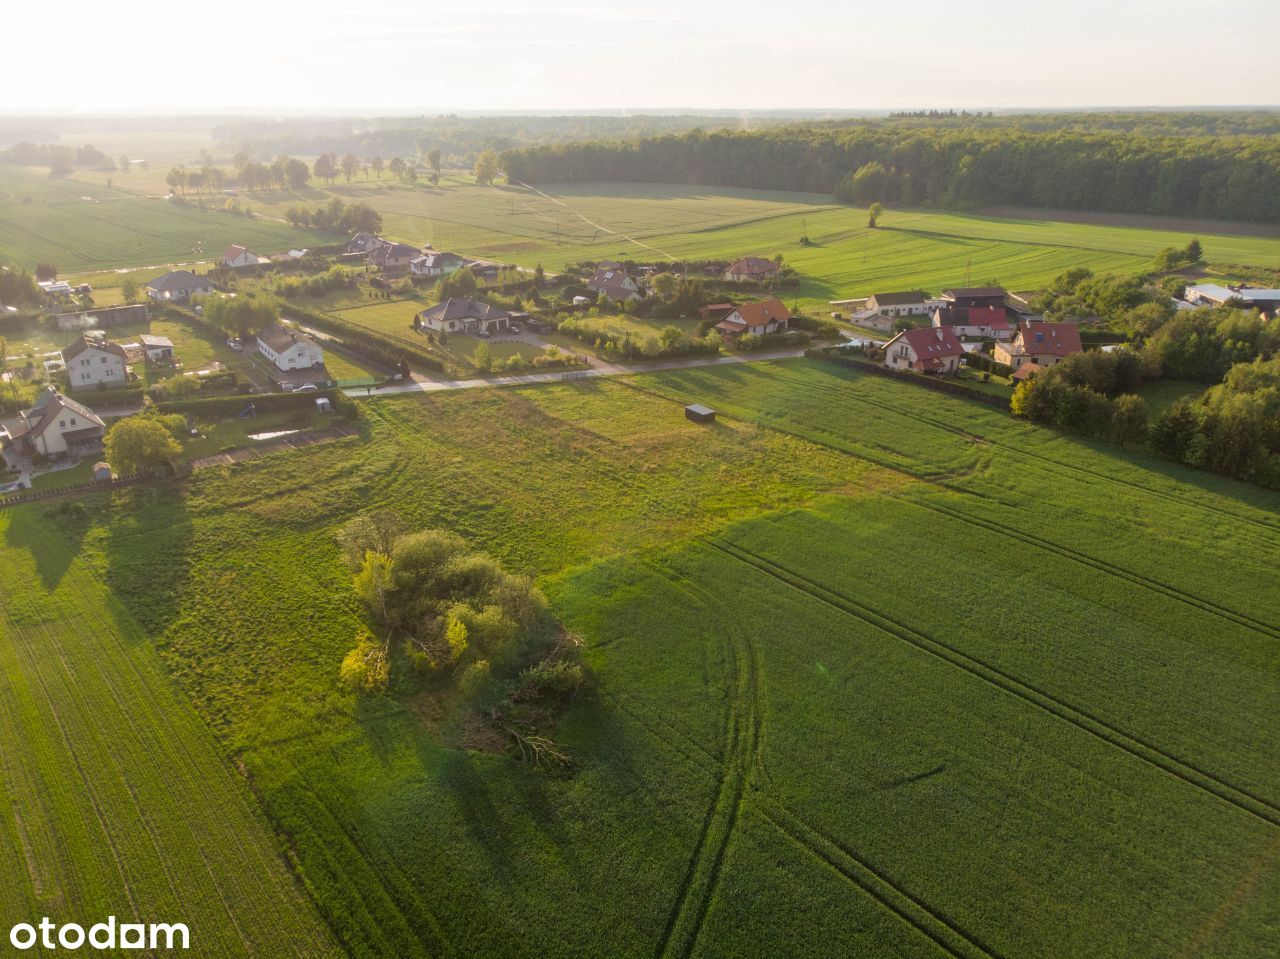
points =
(62, 424)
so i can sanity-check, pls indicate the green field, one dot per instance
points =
(652, 222)
(876, 671)
(81, 226)
(117, 801)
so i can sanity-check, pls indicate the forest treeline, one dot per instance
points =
(921, 162)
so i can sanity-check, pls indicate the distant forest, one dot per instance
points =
(1213, 165)
(459, 139)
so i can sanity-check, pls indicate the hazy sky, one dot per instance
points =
(427, 56)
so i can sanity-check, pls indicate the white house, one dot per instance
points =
(57, 425)
(289, 349)
(178, 286)
(911, 303)
(463, 315)
(434, 264)
(925, 350)
(91, 361)
(236, 255)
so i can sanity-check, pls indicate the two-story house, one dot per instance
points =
(1045, 344)
(925, 350)
(93, 361)
(57, 426)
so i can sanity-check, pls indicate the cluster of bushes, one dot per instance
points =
(448, 618)
(336, 217)
(981, 361)
(1079, 292)
(179, 387)
(1233, 428)
(549, 359)
(752, 342)
(823, 329)
(669, 341)
(18, 288)
(1205, 344)
(317, 285)
(1174, 258)
(1080, 409)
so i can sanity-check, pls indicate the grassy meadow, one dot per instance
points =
(83, 226)
(876, 671)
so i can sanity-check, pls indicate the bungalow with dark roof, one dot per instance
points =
(434, 263)
(393, 256)
(1045, 344)
(911, 303)
(178, 286)
(463, 315)
(924, 350)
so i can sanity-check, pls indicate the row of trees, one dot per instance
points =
(57, 157)
(1234, 177)
(337, 217)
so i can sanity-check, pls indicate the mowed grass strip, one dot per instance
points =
(120, 802)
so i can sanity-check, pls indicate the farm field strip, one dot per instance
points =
(1139, 747)
(125, 764)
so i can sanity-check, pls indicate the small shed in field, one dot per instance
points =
(698, 413)
(323, 405)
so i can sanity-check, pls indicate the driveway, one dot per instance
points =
(421, 384)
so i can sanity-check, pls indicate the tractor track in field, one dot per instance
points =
(1101, 565)
(872, 881)
(952, 938)
(1092, 475)
(742, 726)
(1245, 800)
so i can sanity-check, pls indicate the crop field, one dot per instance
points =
(81, 227)
(876, 671)
(117, 801)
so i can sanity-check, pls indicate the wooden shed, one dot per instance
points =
(699, 414)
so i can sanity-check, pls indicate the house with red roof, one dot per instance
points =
(929, 349)
(236, 255)
(766, 316)
(975, 321)
(752, 268)
(1045, 344)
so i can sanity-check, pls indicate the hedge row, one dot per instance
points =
(980, 361)
(937, 384)
(108, 399)
(383, 350)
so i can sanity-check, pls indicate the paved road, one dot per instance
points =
(423, 385)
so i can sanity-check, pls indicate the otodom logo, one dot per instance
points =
(101, 935)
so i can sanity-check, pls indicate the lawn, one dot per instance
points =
(876, 671)
(1162, 394)
(117, 799)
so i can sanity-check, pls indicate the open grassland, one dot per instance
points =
(81, 226)
(117, 801)
(877, 672)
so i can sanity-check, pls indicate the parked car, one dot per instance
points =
(483, 333)
(235, 345)
(16, 487)
(306, 388)
(514, 328)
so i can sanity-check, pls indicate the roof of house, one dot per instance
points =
(462, 308)
(280, 338)
(971, 291)
(178, 281)
(92, 343)
(1026, 371)
(155, 341)
(753, 264)
(394, 250)
(910, 298)
(1047, 339)
(434, 257)
(931, 344)
(610, 280)
(47, 407)
(994, 317)
(755, 315)
(1215, 291)
(234, 251)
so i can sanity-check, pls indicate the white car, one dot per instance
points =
(306, 388)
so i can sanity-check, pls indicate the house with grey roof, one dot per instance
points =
(178, 287)
(463, 315)
(57, 426)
